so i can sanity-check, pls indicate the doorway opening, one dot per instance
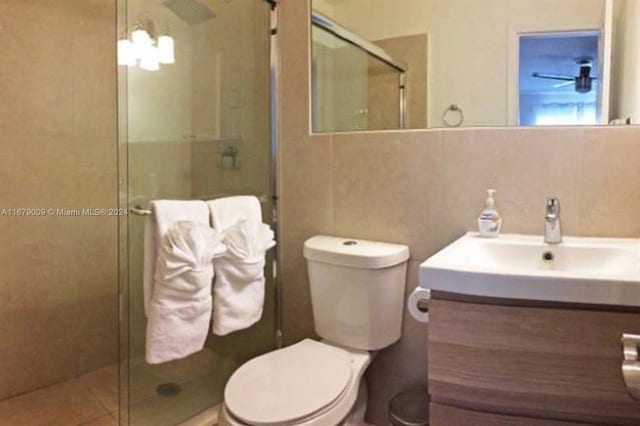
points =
(559, 78)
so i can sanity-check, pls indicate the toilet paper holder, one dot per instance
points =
(423, 305)
(418, 304)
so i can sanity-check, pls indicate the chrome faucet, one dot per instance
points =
(553, 230)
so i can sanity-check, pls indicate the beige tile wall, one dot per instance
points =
(426, 188)
(230, 93)
(58, 283)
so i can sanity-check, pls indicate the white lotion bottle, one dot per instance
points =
(490, 222)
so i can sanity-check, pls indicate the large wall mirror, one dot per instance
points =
(393, 64)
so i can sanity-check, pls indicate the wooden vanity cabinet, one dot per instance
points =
(492, 363)
(452, 416)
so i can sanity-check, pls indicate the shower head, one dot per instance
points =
(190, 11)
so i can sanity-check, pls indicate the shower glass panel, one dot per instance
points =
(197, 127)
(352, 90)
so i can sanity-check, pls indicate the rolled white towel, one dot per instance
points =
(238, 292)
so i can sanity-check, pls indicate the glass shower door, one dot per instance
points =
(197, 127)
(355, 83)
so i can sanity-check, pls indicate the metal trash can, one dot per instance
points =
(410, 408)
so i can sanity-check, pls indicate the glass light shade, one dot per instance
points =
(126, 55)
(166, 50)
(141, 41)
(149, 59)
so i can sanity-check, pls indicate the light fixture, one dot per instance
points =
(166, 49)
(149, 60)
(141, 41)
(144, 50)
(126, 56)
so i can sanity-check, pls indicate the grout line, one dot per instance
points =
(208, 417)
(94, 418)
(95, 397)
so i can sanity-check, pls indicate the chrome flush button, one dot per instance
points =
(350, 243)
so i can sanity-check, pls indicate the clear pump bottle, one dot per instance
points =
(490, 222)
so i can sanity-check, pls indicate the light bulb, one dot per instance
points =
(141, 41)
(126, 55)
(149, 59)
(166, 50)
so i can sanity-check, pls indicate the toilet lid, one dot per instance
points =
(289, 384)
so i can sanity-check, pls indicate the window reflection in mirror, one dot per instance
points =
(391, 64)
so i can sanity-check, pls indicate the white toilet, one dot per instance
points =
(357, 293)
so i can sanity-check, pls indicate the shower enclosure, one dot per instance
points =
(356, 84)
(195, 123)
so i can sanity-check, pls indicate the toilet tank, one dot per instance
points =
(357, 290)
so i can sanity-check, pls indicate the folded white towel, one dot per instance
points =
(179, 246)
(238, 298)
(180, 309)
(225, 212)
(164, 214)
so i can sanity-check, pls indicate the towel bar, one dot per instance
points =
(141, 211)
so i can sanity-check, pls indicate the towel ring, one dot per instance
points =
(453, 108)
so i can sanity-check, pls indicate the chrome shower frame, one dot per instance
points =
(274, 58)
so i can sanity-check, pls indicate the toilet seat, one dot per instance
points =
(295, 386)
(309, 375)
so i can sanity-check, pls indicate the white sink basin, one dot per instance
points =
(604, 271)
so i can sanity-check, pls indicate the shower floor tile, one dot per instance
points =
(102, 421)
(103, 384)
(81, 401)
(200, 378)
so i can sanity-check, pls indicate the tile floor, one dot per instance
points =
(200, 376)
(90, 400)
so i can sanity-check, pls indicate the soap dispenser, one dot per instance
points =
(489, 222)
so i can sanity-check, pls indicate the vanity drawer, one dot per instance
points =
(442, 415)
(538, 362)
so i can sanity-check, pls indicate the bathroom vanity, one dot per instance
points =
(517, 340)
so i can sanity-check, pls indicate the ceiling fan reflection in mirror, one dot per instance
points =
(583, 82)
